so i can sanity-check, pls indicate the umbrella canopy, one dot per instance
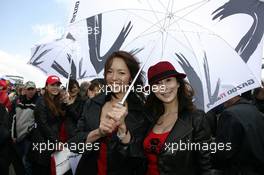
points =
(61, 57)
(218, 56)
(217, 43)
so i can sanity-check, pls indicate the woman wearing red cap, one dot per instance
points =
(50, 130)
(119, 130)
(177, 122)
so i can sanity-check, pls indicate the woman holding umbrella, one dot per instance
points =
(118, 129)
(176, 122)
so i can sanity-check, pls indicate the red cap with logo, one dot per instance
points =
(52, 79)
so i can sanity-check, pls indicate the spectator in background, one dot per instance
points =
(83, 89)
(4, 99)
(95, 87)
(4, 140)
(50, 119)
(42, 91)
(74, 104)
(240, 125)
(24, 122)
(258, 98)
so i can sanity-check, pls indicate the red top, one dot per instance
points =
(153, 144)
(102, 159)
(63, 136)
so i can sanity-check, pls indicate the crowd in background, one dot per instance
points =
(133, 136)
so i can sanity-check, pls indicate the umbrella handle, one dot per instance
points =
(134, 80)
(69, 76)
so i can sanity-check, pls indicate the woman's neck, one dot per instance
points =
(171, 107)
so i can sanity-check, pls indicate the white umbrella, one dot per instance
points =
(185, 33)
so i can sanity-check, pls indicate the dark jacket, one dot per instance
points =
(121, 159)
(241, 125)
(4, 140)
(4, 131)
(73, 113)
(189, 128)
(259, 104)
(46, 133)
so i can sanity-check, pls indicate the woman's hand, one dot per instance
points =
(107, 126)
(118, 114)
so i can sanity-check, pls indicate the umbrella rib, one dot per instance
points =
(192, 5)
(140, 35)
(169, 20)
(188, 41)
(181, 43)
(167, 12)
(153, 24)
(182, 17)
(158, 21)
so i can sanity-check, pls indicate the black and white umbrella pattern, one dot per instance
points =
(194, 35)
(59, 58)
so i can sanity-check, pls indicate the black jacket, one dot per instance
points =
(76, 108)
(189, 128)
(46, 133)
(241, 125)
(121, 159)
(4, 131)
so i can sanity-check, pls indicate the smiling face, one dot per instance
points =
(53, 89)
(74, 91)
(168, 90)
(118, 76)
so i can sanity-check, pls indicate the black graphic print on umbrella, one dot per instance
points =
(196, 82)
(252, 38)
(94, 42)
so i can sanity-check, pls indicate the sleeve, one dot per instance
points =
(133, 152)
(81, 131)
(202, 135)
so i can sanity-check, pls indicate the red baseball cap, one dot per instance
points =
(162, 70)
(52, 79)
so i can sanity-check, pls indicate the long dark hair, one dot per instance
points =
(133, 67)
(73, 82)
(54, 104)
(184, 95)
